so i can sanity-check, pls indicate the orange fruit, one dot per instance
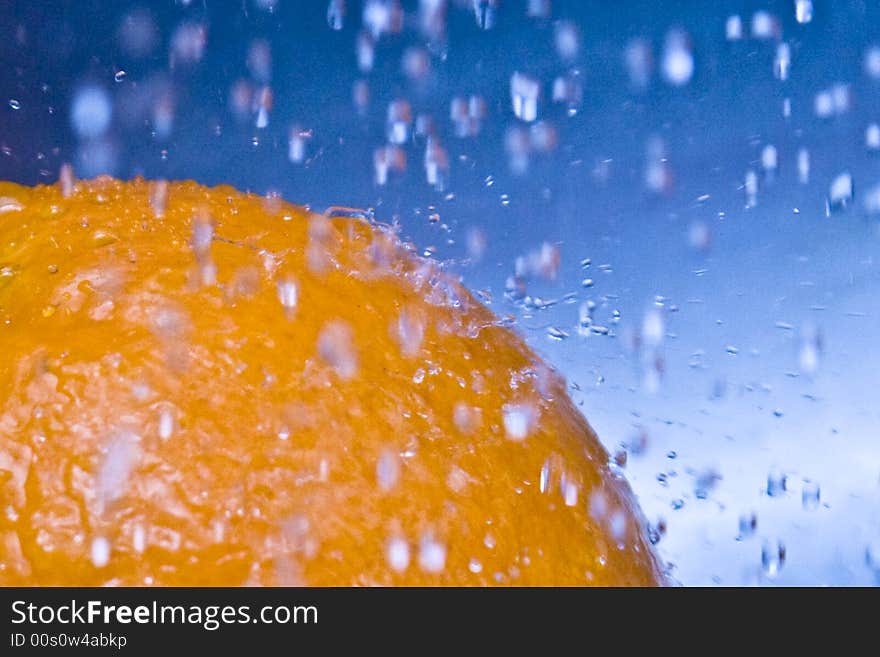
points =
(203, 387)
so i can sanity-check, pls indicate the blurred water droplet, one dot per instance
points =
(748, 524)
(769, 161)
(871, 62)
(485, 13)
(840, 193)
(677, 64)
(733, 28)
(187, 44)
(803, 166)
(782, 62)
(751, 188)
(772, 557)
(388, 470)
(567, 39)
(803, 11)
(810, 495)
(383, 17)
(436, 165)
(119, 76)
(519, 421)
(777, 483)
(66, 180)
(116, 466)
(416, 63)
(432, 555)
(90, 112)
(397, 554)
(365, 48)
(639, 63)
(336, 14)
(765, 26)
(297, 144)
(525, 92)
(387, 159)
(336, 348)
(100, 552)
(14, 104)
(166, 424)
(872, 137)
(287, 295)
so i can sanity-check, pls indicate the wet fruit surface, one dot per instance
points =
(205, 387)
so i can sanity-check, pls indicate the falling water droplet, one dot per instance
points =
(397, 554)
(772, 557)
(803, 11)
(100, 552)
(432, 555)
(810, 495)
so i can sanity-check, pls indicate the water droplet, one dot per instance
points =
(383, 17)
(803, 166)
(91, 112)
(525, 92)
(187, 44)
(115, 469)
(765, 26)
(748, 524)
(810, 495)
(872, 62)
(14, 104)
(287, 295)
(570, 493)
(567, 39)
(100, 552)
(66, 180)
(519, 421)
(485, 13)
(782, 62)
(432, 555)
(166, 424)
(436, 165)
(297, 144)
(840, 193)
(777, 483)
(397, 554)
(677, 64)
(336, 14)
(139, 539)
(336, 348)
(751, 188)
(475, 566)
(388, 470)
(772, 557)
(733, 28)
(872, 137)
(803, 11)
(119, 76)
(399, 121)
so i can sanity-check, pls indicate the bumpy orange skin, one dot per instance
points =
(196, 429)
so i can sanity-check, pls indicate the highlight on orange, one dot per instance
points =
(204, 387)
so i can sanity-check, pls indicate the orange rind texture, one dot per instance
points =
(204, 387)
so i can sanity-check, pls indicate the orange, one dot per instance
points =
(203, 387)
